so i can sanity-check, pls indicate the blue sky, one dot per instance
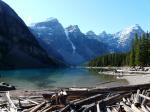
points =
(96, 15)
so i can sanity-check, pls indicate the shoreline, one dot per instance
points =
(74, 97)
(128, 78)
(39, 92)
(21, 92)
(133, 77)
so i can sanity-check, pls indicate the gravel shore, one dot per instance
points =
(133, 77)
(137, 79)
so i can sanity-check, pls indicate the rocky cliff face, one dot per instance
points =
(18, 46)
(73, 47)
(69, 44)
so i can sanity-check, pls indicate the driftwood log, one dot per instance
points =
(89, 100)
(122, 88)
(107, 101)
(12, 106)
(134, 98)
(38, 107)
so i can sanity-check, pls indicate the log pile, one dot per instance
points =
(117, 99)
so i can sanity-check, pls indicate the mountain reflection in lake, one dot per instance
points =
(50, 78)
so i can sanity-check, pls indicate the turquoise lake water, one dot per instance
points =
(50, 78)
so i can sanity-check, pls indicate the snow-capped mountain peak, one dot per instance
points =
(47, 23)
(136, 26)
(73, 28)
(90, 33)
(126, 36)
(74, 47)
(103, 34)
(132, 29)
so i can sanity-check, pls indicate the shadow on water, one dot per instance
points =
(48, 78)
(27, 78)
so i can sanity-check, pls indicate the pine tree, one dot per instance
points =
(137, 50)
(132, 57)
(143, 51)
(138, 56)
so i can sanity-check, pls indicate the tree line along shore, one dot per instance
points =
(139, 55)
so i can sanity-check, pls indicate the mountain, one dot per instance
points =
(109, 40)
(86, 47)
(122, 40)
(126, 36)
(69, 44)
(47, 43)
(18, 46)
(73, 47)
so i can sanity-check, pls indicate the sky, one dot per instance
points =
(96, 15)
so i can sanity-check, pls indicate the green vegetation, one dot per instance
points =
(138, 56)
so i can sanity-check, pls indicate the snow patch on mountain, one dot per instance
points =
(68, 38)
(127, 35)
(73, 28)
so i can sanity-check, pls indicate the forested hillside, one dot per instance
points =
(138, 56)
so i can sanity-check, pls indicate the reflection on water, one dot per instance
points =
(48, 78)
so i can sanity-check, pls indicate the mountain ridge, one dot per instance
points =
(18, 46)
(70, 43)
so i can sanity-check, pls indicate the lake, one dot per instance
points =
(51, 78)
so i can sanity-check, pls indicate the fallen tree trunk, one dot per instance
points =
(86, 101)
(12, 107)
(107, 101)
(28, 106)
(65, 109)
(72, 95)
(38, 107)
(54, 107)
(145, 97)
(122, 88)
(89, 100)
